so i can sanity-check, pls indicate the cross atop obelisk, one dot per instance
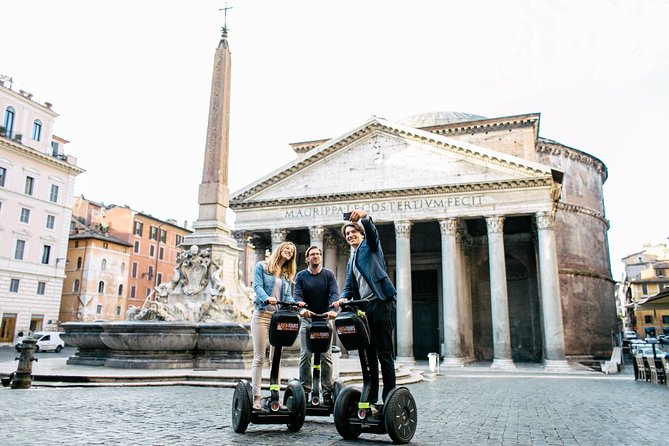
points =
(213, 193)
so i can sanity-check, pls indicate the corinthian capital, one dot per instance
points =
(545, 220)
(316, 233)
(279, 236)
(448, 226)
(495, 224)
(403, 228)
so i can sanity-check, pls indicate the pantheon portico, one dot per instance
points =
(479, 224)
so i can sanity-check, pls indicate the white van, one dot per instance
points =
(46, 341)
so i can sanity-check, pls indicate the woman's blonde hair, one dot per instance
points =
(289, 266)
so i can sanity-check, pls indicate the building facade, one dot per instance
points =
(36, 188)
(495, 237)
(150, 244)
(646, 277)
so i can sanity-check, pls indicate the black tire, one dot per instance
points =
(400, 415)
(346, 407)
(241, 407)
(336, 389)
(59, 348)
(295, 400)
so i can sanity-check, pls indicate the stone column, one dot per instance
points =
(499, 298)
(451, 348)
(316, 236)
(330, 252)
(551, 305)
(242, 239)
(278, 237)
(464, 296)
(404, 296)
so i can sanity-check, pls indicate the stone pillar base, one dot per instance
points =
(452, 362)
(561, 365)
(504, 364)
(406, 360)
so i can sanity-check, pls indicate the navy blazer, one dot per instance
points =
(372, 266)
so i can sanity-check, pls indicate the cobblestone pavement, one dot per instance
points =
(454, 409)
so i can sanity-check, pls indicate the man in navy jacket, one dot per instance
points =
(366, 276)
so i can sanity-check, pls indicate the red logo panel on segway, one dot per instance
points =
(352, 331)
(318, 336)
(284, 328)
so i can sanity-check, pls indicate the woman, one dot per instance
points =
(271, 283)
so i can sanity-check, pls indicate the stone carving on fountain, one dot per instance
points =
(196, 293)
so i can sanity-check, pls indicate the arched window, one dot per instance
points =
(79, 263)
(9, 121)
(104, 264)
(75, 286)
(101, 287)
(37, 130)
(120, 290)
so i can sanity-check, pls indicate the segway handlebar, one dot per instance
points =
(355, 304)
(283, 303)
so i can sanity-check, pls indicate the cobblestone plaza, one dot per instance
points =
(459, 407)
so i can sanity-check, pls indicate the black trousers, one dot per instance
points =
(380, 350)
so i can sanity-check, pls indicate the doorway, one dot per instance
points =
(425, 312)
(7, 328)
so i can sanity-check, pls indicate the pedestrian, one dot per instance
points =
(272, 283)
(316, 286)
(366, 277)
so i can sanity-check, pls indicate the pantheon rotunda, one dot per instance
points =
(495, 237)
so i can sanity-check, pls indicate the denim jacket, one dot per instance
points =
(263, 284)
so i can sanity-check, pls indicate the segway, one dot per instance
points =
(318, 340)
(352, 412)
(283, 330)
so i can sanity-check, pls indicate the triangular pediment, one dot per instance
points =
(381, 157)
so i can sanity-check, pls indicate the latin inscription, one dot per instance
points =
(389, 206)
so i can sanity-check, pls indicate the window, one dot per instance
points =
(665, 319)
(25, 215)
(103, 265)
(644, 289)
(648, 319)
(14, 286)
(20, 249)
(660, 272)
(159, 278)
(9, 121)
(50, 221)
(101, 287)
(177, 240)
(118, 311)
(3, 175)
(75, 286)
(150, 273)
(54, 193)
(161, 253)
(76, 244)
(139, 226)
(37, 130)
(30, 186)
(41, 288)
(148, 291)
(122, 267)
(153, 233)
(105, 245)
(133, 273)
(152, 250)
(163, 235)
(78, 262)
(136, 247)
(55, 146)
(120, 290)
(98, 309)
(132, 291)
(46, 253)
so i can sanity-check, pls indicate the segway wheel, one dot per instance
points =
(336, 389)
(400, 415)
(241, 407)
(295, 400)
(345, 409)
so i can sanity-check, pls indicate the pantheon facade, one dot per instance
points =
(495, 237)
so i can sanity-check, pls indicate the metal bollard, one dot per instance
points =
(24, 372)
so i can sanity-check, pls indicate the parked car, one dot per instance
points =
(630, 334)
(46, 341)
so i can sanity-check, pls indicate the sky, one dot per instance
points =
(131, 83)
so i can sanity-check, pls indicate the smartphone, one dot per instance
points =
(347, 216)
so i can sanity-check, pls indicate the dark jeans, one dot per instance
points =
(380, 349)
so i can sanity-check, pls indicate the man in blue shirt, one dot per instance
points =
(317, 287)
(367, 277)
